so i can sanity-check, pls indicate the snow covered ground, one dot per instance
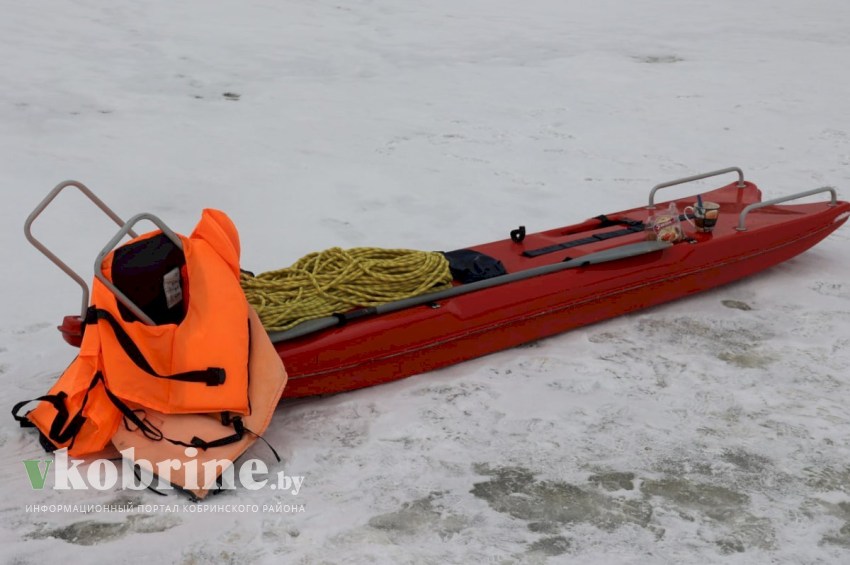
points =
(709, 430)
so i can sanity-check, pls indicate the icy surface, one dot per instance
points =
(714, 429)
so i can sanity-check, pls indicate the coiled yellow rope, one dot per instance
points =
(337, 280)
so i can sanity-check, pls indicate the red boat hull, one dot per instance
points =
(392, 346)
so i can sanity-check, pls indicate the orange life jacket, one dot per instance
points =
(267, 379)
(196, 361)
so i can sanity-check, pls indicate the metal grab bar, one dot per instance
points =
(742, 226)
(125, 229)
(658, 187)
(49, 254)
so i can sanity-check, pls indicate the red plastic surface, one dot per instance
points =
(384, 348)
(72, 330)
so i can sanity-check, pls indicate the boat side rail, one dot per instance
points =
(693, 178)
(742, 218)
(607, 255)
(52, 256)
(125, 230)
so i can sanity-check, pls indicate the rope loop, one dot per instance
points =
(336, 280)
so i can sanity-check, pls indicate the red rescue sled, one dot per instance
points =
(556, 280)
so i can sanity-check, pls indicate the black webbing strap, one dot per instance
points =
(632, 226)
(237, 435)
(52, 398)
(605, 221)
(261, 438)
(64, 427)
(153, 433)
(211, 376)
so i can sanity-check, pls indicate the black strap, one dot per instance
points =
(64, 427)
(633, 226)
(605, 221)
(258, 436)
(22, 420)
(45, 443)
(238, 434)
(211, 376)
(137, 473)
(153, 433)
(62, 431)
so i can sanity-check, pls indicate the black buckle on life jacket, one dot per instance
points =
(238, 433)
(215, 376)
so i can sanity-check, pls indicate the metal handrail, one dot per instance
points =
(658, 187)
(125, 229)
(52, 256)
(742, 226)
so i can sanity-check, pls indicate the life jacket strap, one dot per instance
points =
(22, 420)
(261, 438)
(211, 376)
(152, 432)
(64, 427)
(238, 433)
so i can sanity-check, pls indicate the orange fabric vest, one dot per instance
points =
(199, 365)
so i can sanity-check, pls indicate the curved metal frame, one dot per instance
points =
(49, 254)
(701, 176)
(742, 226)
(126, 229)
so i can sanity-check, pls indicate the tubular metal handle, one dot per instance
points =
(49, 254)
(658, 187)
(125, 229)
(742, 226)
